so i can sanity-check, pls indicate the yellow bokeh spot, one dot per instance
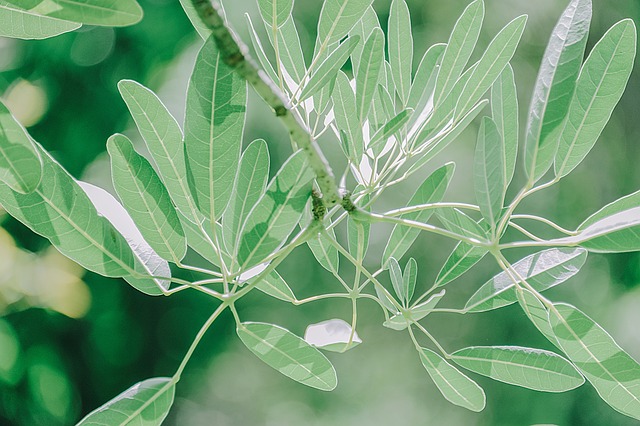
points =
(27, 102)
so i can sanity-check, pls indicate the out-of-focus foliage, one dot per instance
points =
(58, 360)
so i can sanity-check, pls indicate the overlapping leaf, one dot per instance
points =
(19, 23)
(504, 111)
(400, 48)
(111, 13)
(489, 172)
(338, 17)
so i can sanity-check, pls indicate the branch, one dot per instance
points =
(234, 54)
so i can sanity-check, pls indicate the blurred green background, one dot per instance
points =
(70, 340)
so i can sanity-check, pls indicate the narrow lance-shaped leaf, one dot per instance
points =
(20, 163)
(290, 51)
(463, 257)
(368, 73)
(250, 184)
(460, 223)
(216, 105)
(275, 12)
(602, 81)
(617, 232)
(259, 51)
(431, 191)
(389, 129)
(409, 278)
(203, 31)
(541, 270)
(400, 321)
(275, 286)
(60, 211)
(323, 250)
(614, 374)
(358, 232)
(163, 138)
(537, 313)
(146, 403)
(367, 24)
(461, 43)
(110, 13)
(504, 111)
(457, 388)
(421, 94)
(146, 199)
(288, 354)
(490, 66)
(555, 86)
(337, 17)
(328, 69)
(529, 368)
(23, 24)
(400, 48)
(344, 108)
(146, 261)
(489, 172)
(395, 273)
(277, 212)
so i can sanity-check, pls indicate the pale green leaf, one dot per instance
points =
(403, 320)
(490, 66)
(555, 86)
(338, 17)
(358, 232)
(431, 191)
(333, 335)
(489, 172)
(385, 301)
(20, 163)
(454, 386)
(385, 132)
(290, 54)
(463, 257)
(214, 125)
(275, 286)
(368, 73)
(458, 222)
(529, 368)
(288, 354)
(250, 184)
(146, 261)
(323, 250)
(409, 277)
(541, 270)
(367, 24)
(144, 404)
(203, 31)
(421, 94)
(461, 43)
(346, 118)
(537, 313)
(395, 273)
(200, 238)
(504, 111)
(260, 53)
(614, 374)
(112, 13)
(602, 81)
(277, 212)
(275, 12)
(328, 69)
(401, 48)
(18, 23)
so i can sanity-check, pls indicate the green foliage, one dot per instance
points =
(208, 192)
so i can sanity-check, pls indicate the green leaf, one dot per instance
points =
(432, 190)
(368, 73)
(60, 211)
(163, 138)
(529, 368)
(23, 24)
(367, 24)
(463, 258)
(384, 133)
(328, 69)
(146, 261)
(275, 12)
(250, 184)
(120, 13)
(203, 31)
(402, 320)
(461, 43)
(490, 66)
(344, 107)
(555, 86)
(333, 335)
(424, 84)
(616, 233)
(291, 56)
(358, 246)
(144, 404)
(614, 374)
(454, 386)
(20, 164)
(504, 111)
(260, 54)
(400, 48)
(338, 17)
(489, 172)
(146, 199)
(541, 270)
(395, 273)
(275, 286)
(201, 240)
(288, 354)
(457, 221)
(537, 313)
(216, 105)
(409, 277)
(620, 241)
(277, 212)
(385, 300)
(602, 81)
